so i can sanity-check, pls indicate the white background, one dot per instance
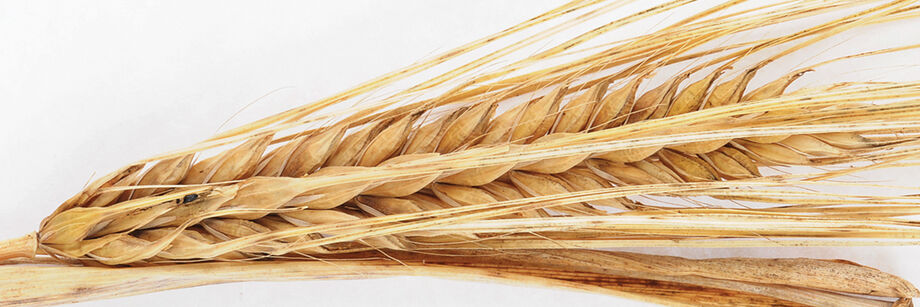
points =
(92, 85)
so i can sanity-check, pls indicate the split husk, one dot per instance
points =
(520, 168)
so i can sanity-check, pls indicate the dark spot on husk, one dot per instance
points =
(189, 198)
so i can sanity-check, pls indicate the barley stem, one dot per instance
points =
(24, 246)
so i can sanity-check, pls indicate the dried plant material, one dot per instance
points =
(774, 88)
(613, 110)
(136, 218)
(539, 184)
(727, 167)
(517, 167)
(427, 202)
(629, 155)
(505, 192)
(226, 229)
(108, 197)
(773, 153)
(426, 138)
(273, 164)
(312, 152)
(845, 140)
(269, 193)
(811, 145)
(700, 147)
(199, 206)
(388, 205)
(166, 172)
(582, 179)
(552, 166)
(654, 103)
(188, 242)
(657, 170)
(690, 168)
(576, 114)
(691, 98)
(478, 176)
(501, 128)
(470, 124)
(405, 187)
(330, 196)
(317, 217)
(232, 164)
(741, 159)
(622, 174)
(539, 117)
(387, 142)
(455, 195)
(95, 187)
(348, 151)
(730, 92)
(658, 279)
(23, 247)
